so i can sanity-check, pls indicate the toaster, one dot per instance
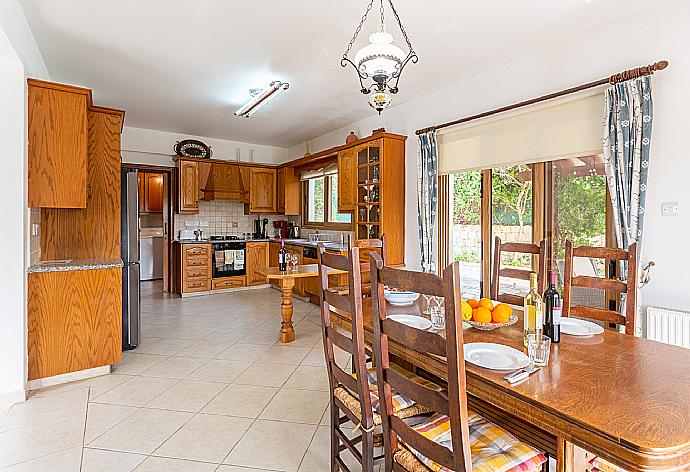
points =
(187, 235)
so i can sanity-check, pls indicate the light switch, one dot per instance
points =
(670, 209)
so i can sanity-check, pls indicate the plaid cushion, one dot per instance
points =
(602, 465)
(400, 401)
(493, 448)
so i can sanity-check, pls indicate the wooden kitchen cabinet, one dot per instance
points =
(74, 321)
(287, 191)
(262, 190)
(347, 181)
(192, 266)
(150, 192)
(273, 251)
(58, 145)
(224, 183)
(188, 186)
(299, 252)
(257, 262)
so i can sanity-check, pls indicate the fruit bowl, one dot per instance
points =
(490, 326)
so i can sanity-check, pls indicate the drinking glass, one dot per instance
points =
(438, 317)
(539, 349)
(294, 261)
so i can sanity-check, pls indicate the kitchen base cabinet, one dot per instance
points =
(229, 282)
(192, 268)
(257, 262)
(74, 321)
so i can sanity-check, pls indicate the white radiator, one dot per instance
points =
(668, 326)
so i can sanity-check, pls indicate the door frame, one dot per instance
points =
(169, 192)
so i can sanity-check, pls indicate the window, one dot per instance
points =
(321, 202)
(466, 229)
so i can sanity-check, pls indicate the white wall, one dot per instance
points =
(16, 28)
(147, 146)
(658, 33)
(12, 238)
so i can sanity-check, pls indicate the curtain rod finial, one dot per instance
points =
(661, 65)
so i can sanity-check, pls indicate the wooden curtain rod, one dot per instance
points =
(614, 79)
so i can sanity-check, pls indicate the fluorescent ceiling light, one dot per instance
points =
(260, 97)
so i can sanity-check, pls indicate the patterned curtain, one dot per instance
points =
(427, 194)
(627, 138)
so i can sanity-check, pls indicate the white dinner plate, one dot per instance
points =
(578, 327)
(413, 321)
(495, 356)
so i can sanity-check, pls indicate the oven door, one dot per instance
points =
(228, 259)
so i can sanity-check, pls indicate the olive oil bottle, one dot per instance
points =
(534, 312)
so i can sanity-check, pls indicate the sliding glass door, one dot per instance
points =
(466, 229)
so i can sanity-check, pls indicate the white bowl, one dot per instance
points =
(401, 298)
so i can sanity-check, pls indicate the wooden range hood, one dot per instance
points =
(223, 181)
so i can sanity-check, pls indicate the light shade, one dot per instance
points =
(380, 56)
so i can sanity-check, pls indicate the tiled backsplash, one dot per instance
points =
(224, 217)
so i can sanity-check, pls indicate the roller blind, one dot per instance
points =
(331, 169)
(550, 132)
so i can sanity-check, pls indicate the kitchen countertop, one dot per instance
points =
(74, 264)
(292, 242)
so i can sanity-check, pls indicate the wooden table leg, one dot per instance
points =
(287, 331)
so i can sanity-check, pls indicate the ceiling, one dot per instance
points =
(185, 65)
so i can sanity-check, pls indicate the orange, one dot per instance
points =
(473, 303)
(466, 311)
(482, 315)
(501, 313)
(486, 303)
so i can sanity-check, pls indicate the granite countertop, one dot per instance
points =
(192, 241)
(75, 264)
(292, 242)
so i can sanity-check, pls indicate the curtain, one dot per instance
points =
(627, 139)
(427, 196)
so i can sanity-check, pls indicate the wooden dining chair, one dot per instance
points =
(510, 272)
(365, 246)
(629, 287)
(354, 394)
(453, 438)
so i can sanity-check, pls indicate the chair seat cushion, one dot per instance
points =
(493, 448)
(400, 402)
(602, 465)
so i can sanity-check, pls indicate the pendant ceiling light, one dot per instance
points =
(380, 61)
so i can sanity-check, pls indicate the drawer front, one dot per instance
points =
(200, 250)
(196, 271)
(229, 282)
(197, 284)
(197, 262)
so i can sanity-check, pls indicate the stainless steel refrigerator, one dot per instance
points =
(129, 241)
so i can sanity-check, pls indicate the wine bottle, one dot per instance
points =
(533, 310)
(282, 257)
(553, 306)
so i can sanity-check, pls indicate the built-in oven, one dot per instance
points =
(228, 258)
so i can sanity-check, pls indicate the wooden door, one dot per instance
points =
(256, 262)
(262, 190)
(58, 147)
(188, 188)
(280, 190)
(154, 193)
(347, 184)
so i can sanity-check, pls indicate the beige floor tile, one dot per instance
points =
(46, 408)
(96, 385)
(232, 468)
(268, 375)
(241, 400)
(206, 438)
(134, 363)
(187, 395)
(272, 445)
(220, 370)
(164, 464)
(315, 357)
(244, 352)
(205, 348)
(143, 431)
(296, 406)
(281, 354)
(318, 456)
(261, 336)
(20, 445)
(175, 367)
(100, 417)
(62, 461)
(137, 391)
(309, 378)
(165, 346)
(99, 460)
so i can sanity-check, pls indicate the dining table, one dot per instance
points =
(621, 397)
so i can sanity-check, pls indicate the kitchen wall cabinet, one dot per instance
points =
(74, 321)
(150, 193)
(188, 186)
(287, 191)
(347, 182)
(58, 145)
(262, 190)
(192, 268)
(256, 262)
